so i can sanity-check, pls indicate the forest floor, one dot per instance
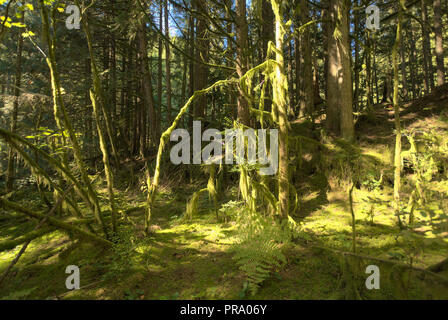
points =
(192, 259)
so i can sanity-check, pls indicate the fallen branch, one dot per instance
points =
(55, 222)
(40, 224)
(10, 244)
(390, 262)
(439, 267)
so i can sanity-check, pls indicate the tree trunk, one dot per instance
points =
(167, 66)
(333, 69)
(307, 90)
(241, 59)
(61, 116)
(160, 72)
(280, 94)
(404, 83)
(397, 158)
(17, 83)
(427, 57)
(201, 71)
(146, 82)
(346, 87)
(438, 30)
(357, 66)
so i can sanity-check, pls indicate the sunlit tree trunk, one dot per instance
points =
(280, 94)
(333, 70)
(346, 86)
(397, 158)
(61, 116)
(438, 30)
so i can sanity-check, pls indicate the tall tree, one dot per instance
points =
(241, 59)
(427, 60)
(17, 83)
(438, 31)
(397, 157)
(146, 83)
(202, 55)
(167, 65)
(280, 94)
(307, 88)
(339, 74)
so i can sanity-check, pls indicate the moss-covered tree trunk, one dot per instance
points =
(98, 104)
(61, 116)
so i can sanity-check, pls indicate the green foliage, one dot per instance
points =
(229, 210)
(427, 157)
(193, 203)
(258, 250)
(124, 252)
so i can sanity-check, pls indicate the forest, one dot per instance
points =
(223, 150)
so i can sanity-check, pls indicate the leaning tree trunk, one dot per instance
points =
(61, 116)
(98, 101)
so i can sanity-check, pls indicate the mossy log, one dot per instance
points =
(56, 223)
(10, 244)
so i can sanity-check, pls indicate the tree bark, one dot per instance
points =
(241, 59)
(427, 57)
(346, 87)
(10, 174)
(438, 30)
(333, 70)
(397, 157)
(167, 66)
(201, 54)
(307, 90)
(280, 94)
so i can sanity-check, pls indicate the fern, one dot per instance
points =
(258, 251)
